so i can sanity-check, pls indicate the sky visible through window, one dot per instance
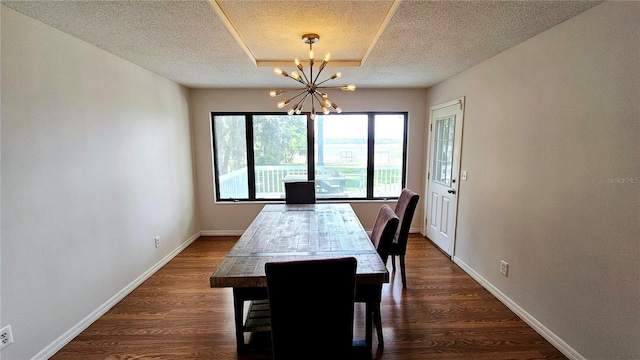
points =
(352, 127)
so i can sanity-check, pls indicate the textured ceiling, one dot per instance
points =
(403, 43)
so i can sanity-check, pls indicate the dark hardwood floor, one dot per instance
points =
(443, 314)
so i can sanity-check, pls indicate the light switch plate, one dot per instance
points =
(464, 175)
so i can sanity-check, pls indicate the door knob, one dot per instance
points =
(451, 191)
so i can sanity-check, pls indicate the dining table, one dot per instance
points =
(288, 232)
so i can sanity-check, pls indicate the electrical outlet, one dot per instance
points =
(504, 267)
(157, 241)
(6, 338)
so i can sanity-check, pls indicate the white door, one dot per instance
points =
(445, 135)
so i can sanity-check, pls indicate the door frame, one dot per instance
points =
(455, 173)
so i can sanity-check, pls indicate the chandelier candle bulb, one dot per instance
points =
(281, 104)
(281, 72)
(325, 61)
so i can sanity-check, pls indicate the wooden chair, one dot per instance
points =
(382, 235)
(312, 306)
(405, 208)
(300, 192)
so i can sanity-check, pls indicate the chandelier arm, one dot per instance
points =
(334, 87)
(306, 95)
(302, 92)
(318, 75)
(293, 109)
(285, 102)
(305, 77)
(321, 102)
(293, 97)
(317, 97)
(288, 90)
(298, 96)
(326, 87)
(299, 80)
(301, 102)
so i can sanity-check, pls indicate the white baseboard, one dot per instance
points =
(65, 338)
(556, 341)
(221, 232)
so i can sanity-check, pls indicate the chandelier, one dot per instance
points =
(311, 87)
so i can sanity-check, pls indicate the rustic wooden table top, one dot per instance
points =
(283, 232)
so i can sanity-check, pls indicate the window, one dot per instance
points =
(443, 159)
(349, 156)
(338, 175)
(389, 155)
(231, 157)
(279, 152)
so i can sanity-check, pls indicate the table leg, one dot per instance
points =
(368, 328)
(238, 309)
(240, 295)
(371, 295)
(378, 321)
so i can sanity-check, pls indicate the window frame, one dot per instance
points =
(249, 139)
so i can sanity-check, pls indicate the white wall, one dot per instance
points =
(233, 218)
(551, 146)
(96, 162)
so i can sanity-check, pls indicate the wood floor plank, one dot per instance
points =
(443, 314)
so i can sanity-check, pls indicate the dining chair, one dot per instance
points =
(405, 208)
(312, 308)
(384, 230)
(300, 192)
